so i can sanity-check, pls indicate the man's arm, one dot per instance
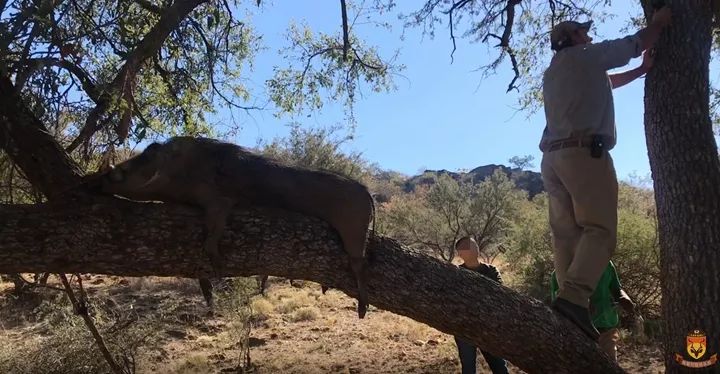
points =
(621, 79)
(650, 34)
(611, 54)
(648, 37)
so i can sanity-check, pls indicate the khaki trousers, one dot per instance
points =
(582, 196)
(608, 342)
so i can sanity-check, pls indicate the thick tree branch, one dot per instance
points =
(29, 145)
(86, 81)
(3, 3)
(504, 43)
(124, 80)
(114, 236)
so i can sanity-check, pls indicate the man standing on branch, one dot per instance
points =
(577, 169)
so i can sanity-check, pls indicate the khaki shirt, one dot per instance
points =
(578, 93)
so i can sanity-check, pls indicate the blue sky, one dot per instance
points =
(442, 116)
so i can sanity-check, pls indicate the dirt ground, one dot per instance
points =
(295, 330)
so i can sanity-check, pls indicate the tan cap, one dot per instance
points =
(561, 33)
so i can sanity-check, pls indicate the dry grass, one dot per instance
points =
(261, 309)
(306, 313)
(195, 364)
(294, 330)
(399, 327)
(289, 302)
(183, 286)
(58, 340)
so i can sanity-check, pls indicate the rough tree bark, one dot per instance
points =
(686, 172)
(113, 236)
(28, 143)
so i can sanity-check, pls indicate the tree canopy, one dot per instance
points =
(84, 81)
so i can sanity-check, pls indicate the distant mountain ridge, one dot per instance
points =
(529, 181)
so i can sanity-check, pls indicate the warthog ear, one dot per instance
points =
(148, 156)
(152, 150)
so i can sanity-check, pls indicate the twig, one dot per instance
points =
(553, 14)
(80, 307)
(211, 67)
(365, 64)
(46, 9)
(123, 81)
(99, 29)
(456, 6)
(346, 34)
(308, 63)
(139, 114)
(18, 24)
(165, 76)
(452, 37)
(22, 76)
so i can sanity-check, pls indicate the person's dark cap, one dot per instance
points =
(562, 32)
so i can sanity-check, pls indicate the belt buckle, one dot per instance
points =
(573, 143)
(569, 143)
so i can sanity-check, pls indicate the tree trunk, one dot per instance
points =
(113, 236)
(686, 172)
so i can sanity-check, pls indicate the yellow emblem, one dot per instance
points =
(696, 344)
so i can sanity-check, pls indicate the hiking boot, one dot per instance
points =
(578, 315)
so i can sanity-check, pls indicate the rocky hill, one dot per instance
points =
(529, 181)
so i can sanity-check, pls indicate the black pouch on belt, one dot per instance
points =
(597, 146)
